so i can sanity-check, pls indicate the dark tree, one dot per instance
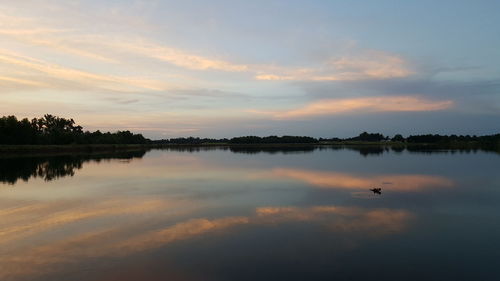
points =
(51, 129)
(374, 137)
(398, 138)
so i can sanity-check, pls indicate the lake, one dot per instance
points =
(298, 213)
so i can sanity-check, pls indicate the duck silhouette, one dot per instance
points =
(376, 190)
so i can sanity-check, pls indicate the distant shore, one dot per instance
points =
(53, 134)
(91, 148)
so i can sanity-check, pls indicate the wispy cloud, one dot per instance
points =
(5, 81)
(56, 58)
(106, 48)
(36, 72)
(182, 58)
(117, 48)
(74, 58)
(365, 66)
(363, 104)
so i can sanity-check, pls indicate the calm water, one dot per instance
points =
(221, 214)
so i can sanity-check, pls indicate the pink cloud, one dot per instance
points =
(364, 104)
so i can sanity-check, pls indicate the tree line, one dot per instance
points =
(488, 142)
(363, 137)
(241, 140)
(51, 129)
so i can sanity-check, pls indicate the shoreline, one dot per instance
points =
(93, 148)
(70, 149)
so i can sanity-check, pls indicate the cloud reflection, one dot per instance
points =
(338, 180)
(341, 219)
(20, 258)
(31, 220)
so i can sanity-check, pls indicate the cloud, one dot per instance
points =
(6, 81)
(112, 62)
(35, 72)
(372, 65)
(106, 48)
(362, 104)
(184, 59)
(117, 48)
(75, 58)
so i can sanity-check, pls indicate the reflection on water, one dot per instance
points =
(110, 241)
(273, 150)
(370, 150)
(252, 149)
(250, 213)
(50, 168)
(348, 181)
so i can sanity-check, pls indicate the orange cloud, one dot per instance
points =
(365, 104)
(349, 181)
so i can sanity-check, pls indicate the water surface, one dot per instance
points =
(251, 214)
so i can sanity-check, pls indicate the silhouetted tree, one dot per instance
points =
(51, 129)
(374, 137)
(398, 137)
(13, 131)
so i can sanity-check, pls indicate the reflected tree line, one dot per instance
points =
(247, 149)
(50, 168)
(370, 150)
(13, 169)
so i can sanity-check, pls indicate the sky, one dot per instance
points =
(230, 68)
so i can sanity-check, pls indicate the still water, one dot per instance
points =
(251, 214)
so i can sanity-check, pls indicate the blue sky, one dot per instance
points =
(226, 68)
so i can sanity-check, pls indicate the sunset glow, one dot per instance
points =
(361, 105)
(229, 69)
